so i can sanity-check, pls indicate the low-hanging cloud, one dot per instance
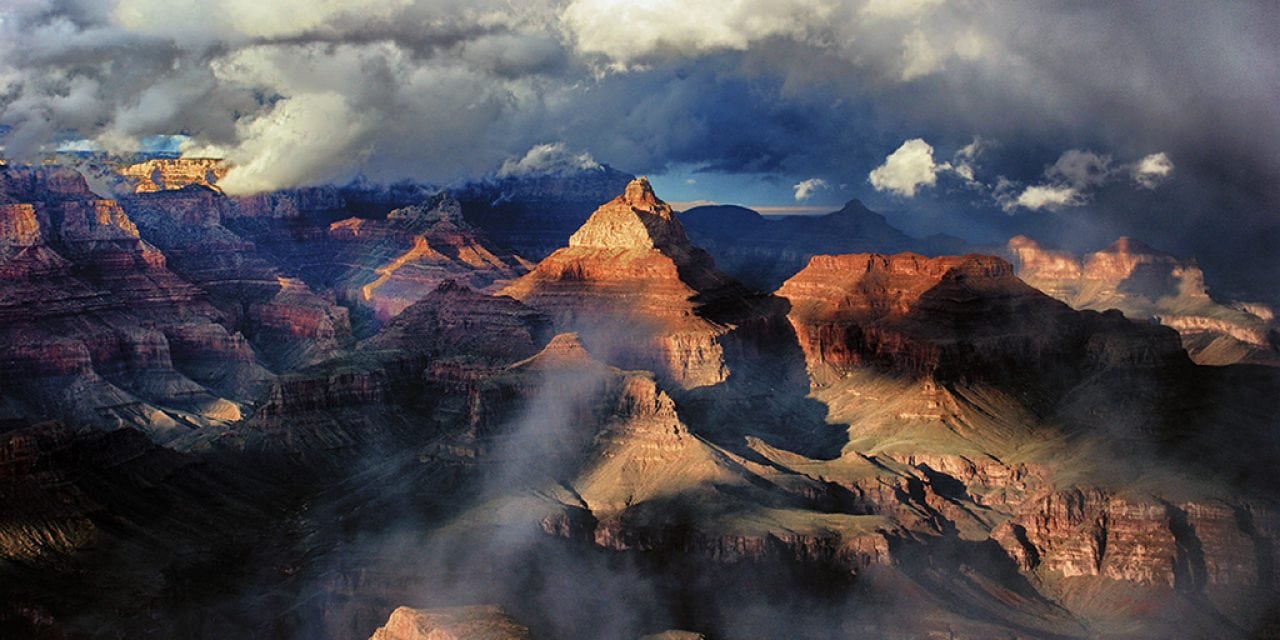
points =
(548, 158)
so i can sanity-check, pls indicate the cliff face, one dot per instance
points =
(288, 322)
(389, 264)
(98, 329)
(167, 174)
(952, 317)
(631, 284)
(454, 321)
(1145, 283)
(763, 252)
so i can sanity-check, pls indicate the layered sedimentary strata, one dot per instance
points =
(1190, 546)
(952, 316)
(390, 264)
(175, 173)
(95, 321)
(1145, 283)
(635, 289)
(454, 321)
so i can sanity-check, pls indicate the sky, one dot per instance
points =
(1073, 121)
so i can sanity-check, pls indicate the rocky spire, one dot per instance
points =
(637, 219)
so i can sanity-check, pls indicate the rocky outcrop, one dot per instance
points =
(286, 320)
(637, 291)
(1145, 283)
(533, 215)
(953, 317)
(175, 173)
(763, 252)
(98, 329)
(390, 264)
(486, 622)
(1189, 546)
(454, 321)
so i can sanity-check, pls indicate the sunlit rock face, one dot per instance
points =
(637, 291)
(953, 317)
(389, 264)
(460, 623)
(1145, 283)
(175, 173)
(533, 215)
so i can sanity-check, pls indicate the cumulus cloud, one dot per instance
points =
(1152, 170)
(806, 188)
(1048, 196)
(907, 169)
(549, 158)
(912, 167)
(1075, 174)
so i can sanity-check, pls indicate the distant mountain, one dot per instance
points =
(762, 251)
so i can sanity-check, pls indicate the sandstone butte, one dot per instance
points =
(1148, 284)
(634, 288)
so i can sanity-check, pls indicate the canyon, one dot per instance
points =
(392, 413)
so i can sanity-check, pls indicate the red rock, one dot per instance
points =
(639, 294)
(1145, 283)
(458, 623)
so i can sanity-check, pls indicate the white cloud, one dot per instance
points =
(551, 158)
(907, 169)
(1049, 196)
(806, 188)
(1152, 170)
(1072, 178)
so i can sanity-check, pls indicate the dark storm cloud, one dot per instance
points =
(437, 90)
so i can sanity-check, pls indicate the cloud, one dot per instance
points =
(806, 188)
(908, 168)
(1075, 175)
(1049, 196)
(543, 159)
(912, 166)
(1152, 170)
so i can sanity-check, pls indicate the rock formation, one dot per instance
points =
(952, 317)
(389, 264)
(460, 623)
(175, 173)
(1145, 283)
(635, 289)
(763, 252)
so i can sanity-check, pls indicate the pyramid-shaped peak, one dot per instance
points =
(639, 194)
(637, 219)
